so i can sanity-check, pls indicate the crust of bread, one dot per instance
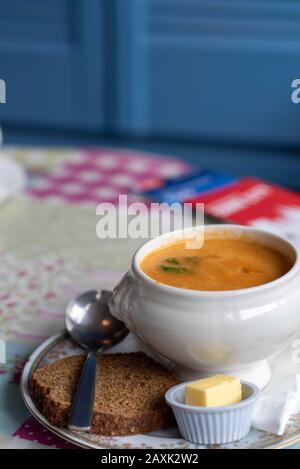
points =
(52, 389)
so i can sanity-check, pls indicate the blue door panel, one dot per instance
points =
(215, 69)
(225, 94)
(51, 57)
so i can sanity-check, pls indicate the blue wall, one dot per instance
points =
(207, 79)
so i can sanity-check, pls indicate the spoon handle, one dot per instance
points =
(83, 403)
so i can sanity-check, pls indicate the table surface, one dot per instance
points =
(49, 252)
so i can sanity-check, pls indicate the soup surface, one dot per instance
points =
(221, 264)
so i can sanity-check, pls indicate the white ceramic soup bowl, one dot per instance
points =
(206, 332)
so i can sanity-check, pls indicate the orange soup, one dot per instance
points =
(221, 264)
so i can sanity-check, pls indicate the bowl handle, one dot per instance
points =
(120, 302)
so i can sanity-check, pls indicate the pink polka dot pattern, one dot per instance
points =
(32, 430)
(101, 175)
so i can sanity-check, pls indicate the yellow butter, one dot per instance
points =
(218, 390)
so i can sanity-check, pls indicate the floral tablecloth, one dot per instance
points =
(49, 251)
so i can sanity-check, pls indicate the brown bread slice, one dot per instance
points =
(129, 397)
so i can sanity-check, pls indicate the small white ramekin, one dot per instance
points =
(213, 425)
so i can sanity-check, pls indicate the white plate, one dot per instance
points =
(60, 346)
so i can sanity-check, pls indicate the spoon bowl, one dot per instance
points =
(90, 323)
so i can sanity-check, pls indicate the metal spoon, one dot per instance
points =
(90, 324)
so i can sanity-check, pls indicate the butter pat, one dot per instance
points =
(218, 390)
